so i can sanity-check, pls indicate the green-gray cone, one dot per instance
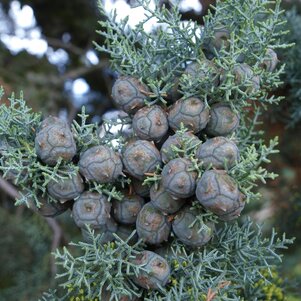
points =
(126, 210)
(54, 140)
(100, 164)
(105, 231)
(219, 193)
(191, 231)
(91, 208)
(150, 123)
(50, 209)
(129, 94)
(223, 121)
(66, 189)
(178, 178)
(164, 201)
(157, 270)
(178, 145)
(218, 152)
(140, 157)
(190, 112)
(152, 225)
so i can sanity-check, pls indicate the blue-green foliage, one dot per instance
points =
(231, 265)
(159, 57)
(19, 161)
(292, 58)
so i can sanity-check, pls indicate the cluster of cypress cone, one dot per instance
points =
(163, 211)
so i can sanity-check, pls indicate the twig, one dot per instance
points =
(9, 188)
(75, 73)
(212, 294)
(56, 239)
(72, 74)
(57, 43)
(206, 5)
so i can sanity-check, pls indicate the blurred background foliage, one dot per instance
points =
(46, 50)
